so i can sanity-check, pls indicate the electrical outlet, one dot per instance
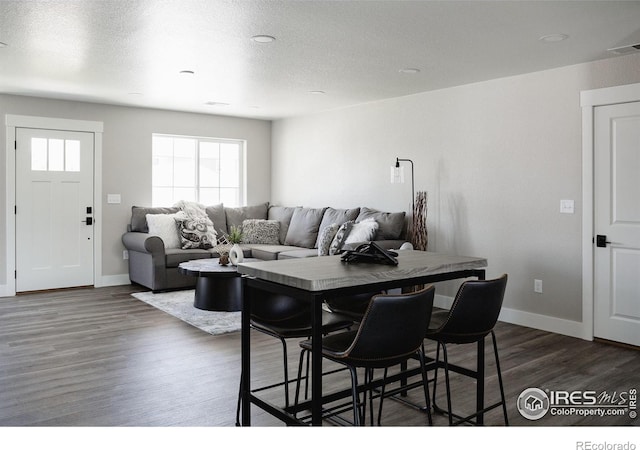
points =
(125, 254)
(537, 286)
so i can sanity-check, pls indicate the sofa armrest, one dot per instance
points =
(143, 243)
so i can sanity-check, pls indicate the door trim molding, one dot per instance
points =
(17, 121)
(589, 100)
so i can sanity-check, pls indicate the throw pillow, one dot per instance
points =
(139, 216)
(332, 215)
(325, 238)
(164, 226)
(195, 232)
(235, 216)
(218, 217)
(362, 231)
(193, 209)
(390, 224)
(341, 235)
(260, 231)
(283, 215)
(303, 228)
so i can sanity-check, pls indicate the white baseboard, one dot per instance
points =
(542, 322)
(104, 281)
(5, 291)
(112, 280)
(528, 319)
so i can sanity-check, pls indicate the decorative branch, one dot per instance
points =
(419, 234)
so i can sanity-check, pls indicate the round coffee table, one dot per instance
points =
(218, 287)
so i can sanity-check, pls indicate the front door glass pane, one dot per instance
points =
(38, 154)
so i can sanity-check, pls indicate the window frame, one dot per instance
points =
(242, 144)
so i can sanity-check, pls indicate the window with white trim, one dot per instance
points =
(205, 170)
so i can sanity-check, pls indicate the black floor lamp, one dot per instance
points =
(397, 176)
(418, 225)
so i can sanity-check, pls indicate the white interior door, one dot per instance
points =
(617, 222)
(54, 209)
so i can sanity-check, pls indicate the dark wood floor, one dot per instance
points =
(99, 357)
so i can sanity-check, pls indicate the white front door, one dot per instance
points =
(617, 223)
(54, 209)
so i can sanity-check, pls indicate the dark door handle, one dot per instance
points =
(601, 240)
(88, 221)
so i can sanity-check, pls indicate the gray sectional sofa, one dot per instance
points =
(298, 231)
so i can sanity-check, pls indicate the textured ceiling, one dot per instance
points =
(131, 52)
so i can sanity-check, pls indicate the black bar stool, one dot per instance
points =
(285, 317)
(390, 333)
(472, 317)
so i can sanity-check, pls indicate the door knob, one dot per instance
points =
(88, 221)
(601, 240)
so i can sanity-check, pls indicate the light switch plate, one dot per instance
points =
(113, 198)
(567, 206)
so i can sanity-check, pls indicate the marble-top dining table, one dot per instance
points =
(324, 277)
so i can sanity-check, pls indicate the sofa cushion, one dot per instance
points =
(269, 252)
(139, 216)
(338, 216)
(235, 216)
(260, 231)
(300, 253)
(283, 215)
(164, 226)
(218, 217)
(303, 229)
(390, 224)
(325, 238)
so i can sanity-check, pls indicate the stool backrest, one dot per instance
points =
(392, 328)
(274, 308)
(474, 312)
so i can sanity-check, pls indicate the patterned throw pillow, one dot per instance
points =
(196, 232)
(326, 238)
(260, 231)
(341, 235)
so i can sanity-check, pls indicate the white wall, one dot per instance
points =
(126, 153)
(495, 157)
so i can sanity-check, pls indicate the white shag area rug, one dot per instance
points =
(180, 304)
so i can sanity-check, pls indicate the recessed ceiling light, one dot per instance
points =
(553, 38)
(317, 92)
(216, 104)
(187, 72)
(263, 38)
(135, 93)
(409, 70)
